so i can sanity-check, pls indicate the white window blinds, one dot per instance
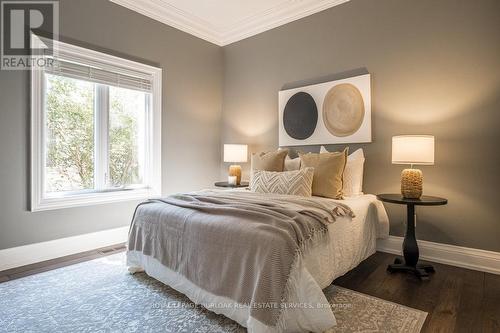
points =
(111, 75)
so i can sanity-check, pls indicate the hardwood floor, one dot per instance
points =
(48, 265)
(457, 299)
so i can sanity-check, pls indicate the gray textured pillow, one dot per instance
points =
(297, 182)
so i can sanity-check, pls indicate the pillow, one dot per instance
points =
(298, 182)
(353, 173)
(271, 161)
(328, 172)
(291, 164)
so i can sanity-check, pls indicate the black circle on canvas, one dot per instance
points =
(300, 116)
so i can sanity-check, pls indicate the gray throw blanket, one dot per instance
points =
(239, 245)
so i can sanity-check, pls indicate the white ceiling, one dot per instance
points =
(223, 22)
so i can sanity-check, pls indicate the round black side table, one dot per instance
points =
(410, 247)
(226, 184)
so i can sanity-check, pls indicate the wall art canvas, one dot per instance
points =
(326, 113)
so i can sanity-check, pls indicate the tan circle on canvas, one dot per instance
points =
(343, 110)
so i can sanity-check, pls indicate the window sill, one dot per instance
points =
(91, 198)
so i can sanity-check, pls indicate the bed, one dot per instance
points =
(346, 241)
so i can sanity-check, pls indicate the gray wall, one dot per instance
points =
(435, 69)
(192, 91)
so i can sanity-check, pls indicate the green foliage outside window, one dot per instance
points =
(70, 135)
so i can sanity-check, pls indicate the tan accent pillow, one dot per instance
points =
(298, 182)
(353, 174)
(328, 172)
(270, 161)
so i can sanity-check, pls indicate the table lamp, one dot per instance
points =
(235, 154)
(412, 150)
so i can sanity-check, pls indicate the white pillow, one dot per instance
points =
(291, 164)
(297, 182)
(353, 174)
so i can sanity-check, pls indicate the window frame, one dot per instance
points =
(40, 202)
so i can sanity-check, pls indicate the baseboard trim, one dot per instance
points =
(38, 252)
(480, 260)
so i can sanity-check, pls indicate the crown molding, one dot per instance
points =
(286, 12)
(165, 13)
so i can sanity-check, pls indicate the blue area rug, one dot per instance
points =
(101, 296)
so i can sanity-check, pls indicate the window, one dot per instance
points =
(95, 130)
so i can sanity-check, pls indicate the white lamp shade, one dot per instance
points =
(413, 149)
(235, 153)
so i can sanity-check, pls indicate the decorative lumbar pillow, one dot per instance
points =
(298, 182)
(270, 161)
(353, 173)
(328, 172)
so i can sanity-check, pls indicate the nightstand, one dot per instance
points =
(227, 185)
(410, 247)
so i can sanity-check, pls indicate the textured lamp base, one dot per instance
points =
(235, 170)
(411, 183)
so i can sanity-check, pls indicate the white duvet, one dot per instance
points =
(350, 242)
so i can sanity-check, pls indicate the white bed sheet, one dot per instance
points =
(351, 241)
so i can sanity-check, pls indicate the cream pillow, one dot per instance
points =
(297, 182)
(353, 173)
(270, 161)
(328, 172)
(291, 164)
